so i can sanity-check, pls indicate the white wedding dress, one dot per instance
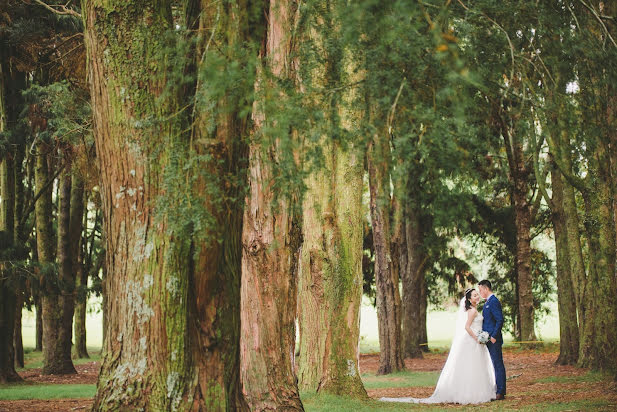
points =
(468, 375)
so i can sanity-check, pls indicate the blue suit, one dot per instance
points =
(492, 323)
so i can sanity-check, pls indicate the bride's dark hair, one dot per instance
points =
(467, 298)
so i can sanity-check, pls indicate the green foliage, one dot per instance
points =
(58, 113)
(503, 279)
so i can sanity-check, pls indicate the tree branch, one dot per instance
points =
(46, 187)
(595, 14)
(61, 9)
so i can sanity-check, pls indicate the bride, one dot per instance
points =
(468, 375)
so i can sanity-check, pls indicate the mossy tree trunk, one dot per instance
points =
(414, 284)
(271, 238)
(77, 219)
(330, 272)
(566, 301)
(171, 295)
(386, 275)
(146, 356)
(330, 280)
(215, 282)
(600, 323)
(560, 150)
(58, 297)
(518, 177)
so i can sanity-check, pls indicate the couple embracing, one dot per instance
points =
(474, 371)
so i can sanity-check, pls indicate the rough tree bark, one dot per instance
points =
(58, 298)
(412, 276)
(518, 177)
(566, 301)
(330, 273)
(147, 353)
(330, 280)
(597, 350)
(76, 225)
(386, 277)
(171, 305)
(271, 238)
(7, 294)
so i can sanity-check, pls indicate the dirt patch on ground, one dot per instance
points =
(532, 378)
(87, 373)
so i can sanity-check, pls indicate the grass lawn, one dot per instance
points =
(34, 360)
(28, 391)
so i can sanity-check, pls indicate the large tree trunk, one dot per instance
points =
(566, 301)
(271, 238)
(330, 280)
(414, 297)
(330, 274)
(171, 297)
(600, 331)
(216, 281)
(58, 298)
(147, 350)
(386, 277)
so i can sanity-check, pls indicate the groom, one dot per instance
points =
(493, 321)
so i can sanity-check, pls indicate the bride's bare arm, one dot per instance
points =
(471, 314)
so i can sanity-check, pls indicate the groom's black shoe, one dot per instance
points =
(500, 397)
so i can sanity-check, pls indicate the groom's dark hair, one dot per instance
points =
(485, 283)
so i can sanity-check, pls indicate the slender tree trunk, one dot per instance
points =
(81, 350)
(560, 148)
(523, 220)
(7, 294)
(38, 345)
(7, 323)
(58, 299)
(568, 326)
(46, 258)
(18, 343)
(386, 277)
(78, 217)
(414, 320)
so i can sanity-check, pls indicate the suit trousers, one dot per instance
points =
(500, 370)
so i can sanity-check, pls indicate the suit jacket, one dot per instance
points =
(493, 318)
